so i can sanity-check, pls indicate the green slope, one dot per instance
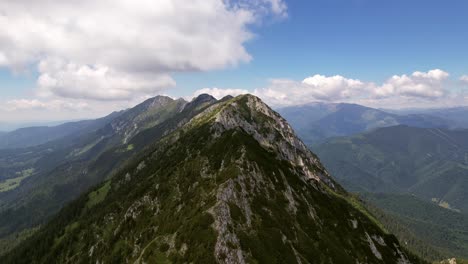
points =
(423, 174)
(233, 185)
(430, 163)
(418, 224)
(65, 168)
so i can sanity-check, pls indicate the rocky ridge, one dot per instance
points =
(233, 185)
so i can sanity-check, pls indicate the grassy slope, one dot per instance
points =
(426, 162)
(64, 169)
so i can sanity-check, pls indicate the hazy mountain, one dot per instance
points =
(232, 184)
(34, 136)
(317, 122)
(431, 163)
(142, 116)
(458, 115)
(10, 126)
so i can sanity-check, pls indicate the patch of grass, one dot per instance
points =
(236, 212)
(10, 184)
(78, 152)
(99, 195)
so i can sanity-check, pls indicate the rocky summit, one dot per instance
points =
(232, 184)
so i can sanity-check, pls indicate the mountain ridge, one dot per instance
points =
(315, 123)
(232, 185)
(60, 170)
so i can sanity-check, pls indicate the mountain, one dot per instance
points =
(458, 116)
(417, 176)
(431, 163)
(432, 231)
(232, 184)
(10, 126)
(34, 136)
(316, 122)
(37, 181)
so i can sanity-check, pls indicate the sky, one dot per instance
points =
(68, 60)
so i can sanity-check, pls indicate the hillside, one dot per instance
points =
(37, 181)
(430, 163)
(424, 227)
(420, 177)
(34, 136)
(232, 185)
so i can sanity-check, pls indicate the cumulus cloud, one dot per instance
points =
(99, 82)
(113, 49)
(314, 88)
(218, 93)
(56, 108)
(332, 88)
(464, 79)
(419, 84)
(416, 87)
(34, 104)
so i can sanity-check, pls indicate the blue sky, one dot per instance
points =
(364, 39)
(353, 40)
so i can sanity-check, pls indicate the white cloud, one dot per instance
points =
(99, 82)
(314, 88)
(218, 93)
(50, 109)
(263, 7)
(419, 84)
(34, 104)
(419, 87)
(464, 79)
(3, 60)
(333, 88)
(134, 43)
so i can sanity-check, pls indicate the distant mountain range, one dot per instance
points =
(34, 136)
(11, 126)
(318, 121)
(458, 116)
(35, 182)
(401, 163)
(411, 166)
(313, 122)
(208, 181)
(431, 163)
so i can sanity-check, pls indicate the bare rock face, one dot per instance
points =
(145, 115)
(273, 132)
(238, 195)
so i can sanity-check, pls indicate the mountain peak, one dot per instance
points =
(204, 98)
(232, 185)
(252, 115)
